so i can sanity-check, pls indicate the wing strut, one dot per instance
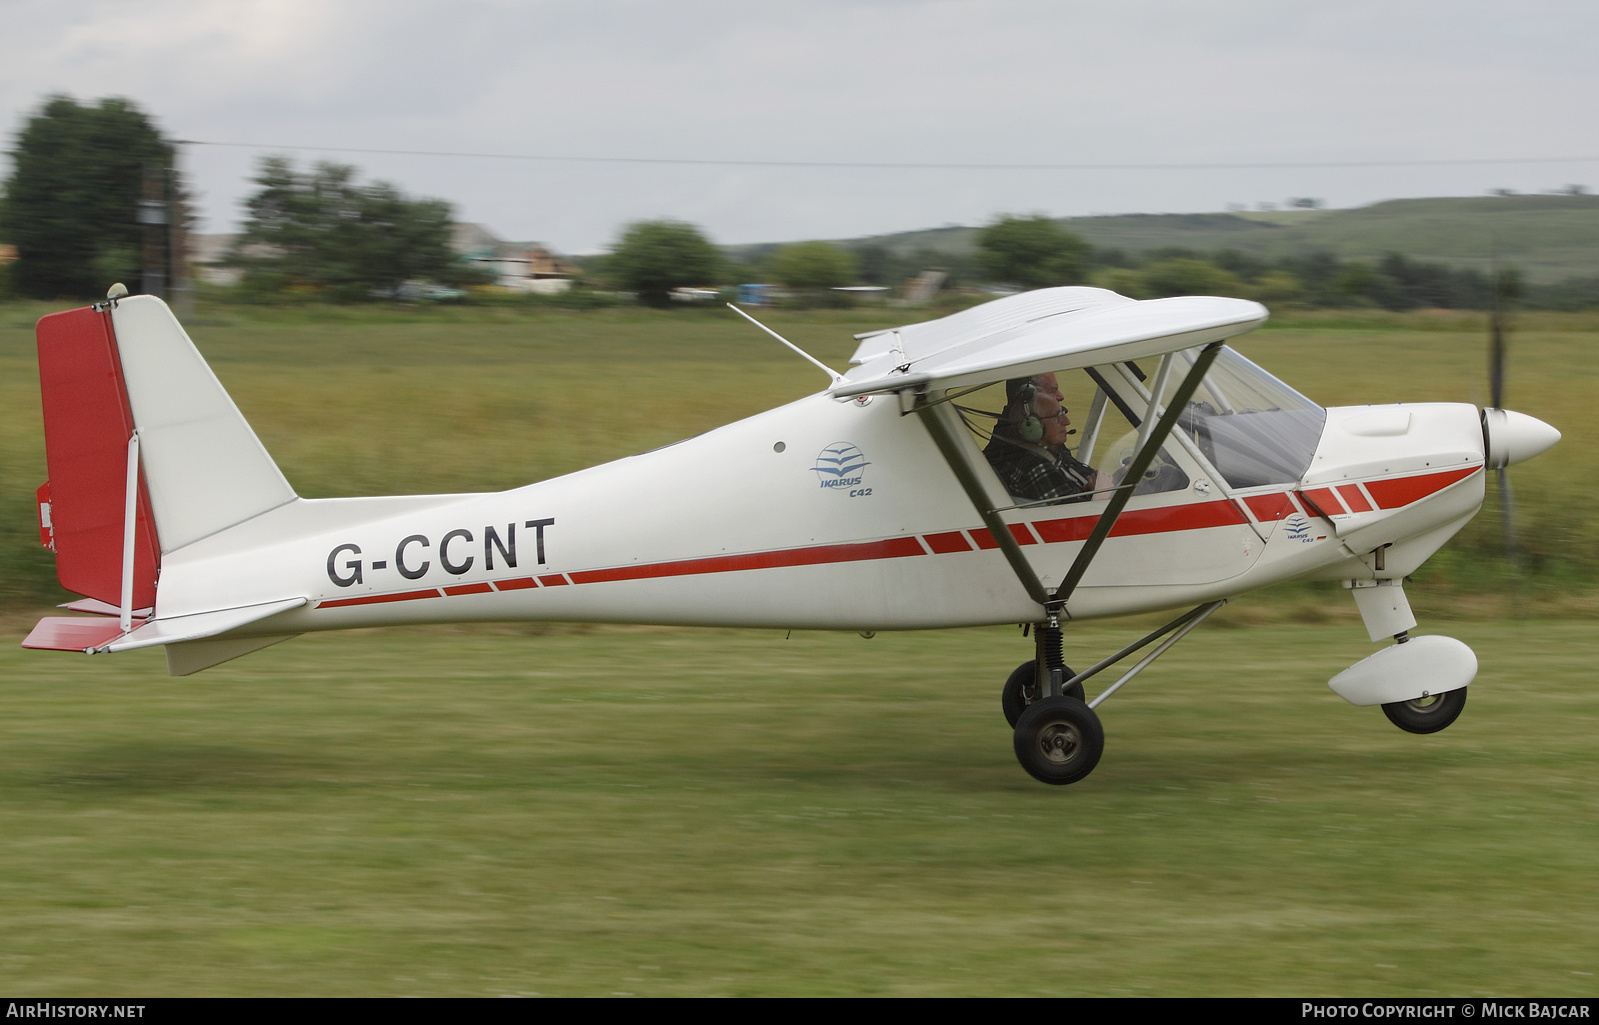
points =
(943, 423)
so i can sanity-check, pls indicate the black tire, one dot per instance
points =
(1426, 715)
(1059, 740)
(1021, 690)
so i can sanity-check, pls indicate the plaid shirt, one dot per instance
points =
(1032, 473)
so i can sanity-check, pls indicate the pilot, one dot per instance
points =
(1028, 450)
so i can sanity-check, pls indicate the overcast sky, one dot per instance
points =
(890, 81)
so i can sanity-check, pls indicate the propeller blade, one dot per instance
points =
(1507, 519)
(1496, 354)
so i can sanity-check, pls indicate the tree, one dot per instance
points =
(654, 257)
(72, 201)
(325, 230)
(1189, 277)
(813, 265)
(1032, 251)
(1276, 286)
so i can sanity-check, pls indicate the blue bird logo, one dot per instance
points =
(838, 461)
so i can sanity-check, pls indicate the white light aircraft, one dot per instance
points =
(889, 501)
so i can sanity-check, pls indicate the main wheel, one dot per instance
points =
(1059, 740)
(1021, 690)
(1426, 715)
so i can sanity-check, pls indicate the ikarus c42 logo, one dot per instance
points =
(1298, 528)
(840, 467)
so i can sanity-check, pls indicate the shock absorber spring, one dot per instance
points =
(1051, 645)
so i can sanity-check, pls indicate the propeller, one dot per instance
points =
(1506, 285)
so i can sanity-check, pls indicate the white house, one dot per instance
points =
(519, 266)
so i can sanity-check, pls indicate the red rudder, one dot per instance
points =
(87, 424)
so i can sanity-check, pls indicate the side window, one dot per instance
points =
(1112, 433)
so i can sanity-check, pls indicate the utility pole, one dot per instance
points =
(154, 214)
(178, 234)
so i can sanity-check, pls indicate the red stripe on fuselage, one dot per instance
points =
(1322, 502)
(947, 543)
(1401, 491)
(893, 548)
(375, 599)
(1268, 508)
(1144, 521)
(985, 537)
(1353, 498)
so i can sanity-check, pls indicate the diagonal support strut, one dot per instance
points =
(1135, 472)
(941, 424)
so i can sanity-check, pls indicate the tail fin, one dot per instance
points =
(105, 373)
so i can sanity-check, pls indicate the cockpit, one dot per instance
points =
(1070, 436)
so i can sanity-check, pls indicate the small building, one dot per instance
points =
(518, 266)
(207, 256)
(922, 289)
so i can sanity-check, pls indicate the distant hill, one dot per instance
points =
(1549, 238)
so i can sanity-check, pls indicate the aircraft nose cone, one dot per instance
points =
(1512, 437)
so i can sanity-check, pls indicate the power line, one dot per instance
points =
(868, 165)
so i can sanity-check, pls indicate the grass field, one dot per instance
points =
(671, 812)
(586, 811)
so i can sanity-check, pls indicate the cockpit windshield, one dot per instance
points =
(1254, 429)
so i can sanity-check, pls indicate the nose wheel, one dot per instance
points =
(1426, 715)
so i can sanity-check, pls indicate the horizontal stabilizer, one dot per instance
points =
(199, 625)
(102, 633)
(72, 633)
(1084, 327)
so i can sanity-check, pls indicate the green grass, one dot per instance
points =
(672, 812)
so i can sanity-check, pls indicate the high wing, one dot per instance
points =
(1036, 332)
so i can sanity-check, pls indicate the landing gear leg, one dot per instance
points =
(1058, 737)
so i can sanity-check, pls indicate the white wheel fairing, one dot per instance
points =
(1419, 668)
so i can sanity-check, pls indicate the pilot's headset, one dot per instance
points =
(1029, 427)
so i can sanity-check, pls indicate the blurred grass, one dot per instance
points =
(672, 812)
(376, 400)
